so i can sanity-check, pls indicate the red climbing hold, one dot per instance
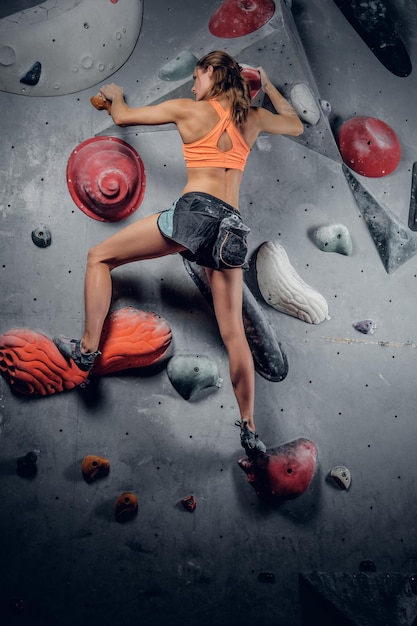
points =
(369, 146)
(253, 79)
(235, 18)
(106, 178)
(282, 473)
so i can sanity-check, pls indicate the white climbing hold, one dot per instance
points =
(305, 104)
(342, 477)
(283, 289)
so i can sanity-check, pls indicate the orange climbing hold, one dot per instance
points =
(236, 18)
(33, 366)
(130, 339)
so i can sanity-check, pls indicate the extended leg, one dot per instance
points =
(138, 241)
(226, 288)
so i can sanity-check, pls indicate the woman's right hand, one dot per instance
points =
(111, 91)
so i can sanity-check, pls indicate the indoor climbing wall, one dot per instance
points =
(126, 496)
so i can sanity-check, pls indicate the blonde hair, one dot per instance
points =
(228, 80)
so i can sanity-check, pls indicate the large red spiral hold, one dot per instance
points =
(106, 178)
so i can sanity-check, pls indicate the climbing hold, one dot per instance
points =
(333, 238)
(32, 365)
(106, 178)
(93, 467)
(26, 465)
(282, 287)
(253, 78)
(126, 507)
(341, 476)
(33, 75)
(412, 215)
(189, 503)
(182, 66)
(130, 339)
(282, 473)
(236, 18)
(366, 327)
(100, 103)
(367, 566)
(42, 237)
(369, 146)
(305, 104)
(394, 243)
(326, 107)
(193, 376)
(268, 354)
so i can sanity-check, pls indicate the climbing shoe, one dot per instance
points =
(71, 349)
(250, 440)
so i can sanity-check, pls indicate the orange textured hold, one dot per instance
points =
(33, 366)
(131, 339)
(100, 103)
(236, 18)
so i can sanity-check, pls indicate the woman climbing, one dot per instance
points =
(217, 129)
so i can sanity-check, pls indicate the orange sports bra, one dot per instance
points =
(205, 152)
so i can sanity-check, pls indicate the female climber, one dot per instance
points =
(217, 129)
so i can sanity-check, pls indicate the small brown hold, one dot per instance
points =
(189, 503)
(100, 103)
(94, 467)
(126, 507)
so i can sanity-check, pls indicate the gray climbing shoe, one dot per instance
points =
(71, 349)
(250, 440)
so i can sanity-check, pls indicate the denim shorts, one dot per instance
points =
(211, 230)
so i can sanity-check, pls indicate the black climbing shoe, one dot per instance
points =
(71, 349)
(250, 440)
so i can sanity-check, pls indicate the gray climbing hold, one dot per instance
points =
(283, 289)
(42, 237)
(326, 107)
(342, 477)
(182, 66)
(305, 104)
(366, 327)
(193, 376)
(333, 238)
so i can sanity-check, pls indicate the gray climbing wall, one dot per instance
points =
(64, 558)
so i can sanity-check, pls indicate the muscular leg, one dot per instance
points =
(226, 288)
(138, 241)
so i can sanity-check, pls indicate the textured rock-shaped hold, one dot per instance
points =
(369, 146)
(126, 507)
(366, 327)
(41, 236)
(282, 287)
(305, 104)
(130, 339)
(189, 503)
(282, 473)
(33, 75)
(33, 366)
(333, 238)
(94, 467)
(182, 66)
(193, 375)
(235, 18)
(341, 476)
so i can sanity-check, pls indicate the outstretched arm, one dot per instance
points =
(287, 121)
(167, 112)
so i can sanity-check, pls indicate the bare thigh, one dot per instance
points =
(136, 242)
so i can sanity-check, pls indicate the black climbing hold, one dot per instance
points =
(367, 566)
(412, 216)
(26, 465)
(266, 577)
(41, 237)
(33, 75)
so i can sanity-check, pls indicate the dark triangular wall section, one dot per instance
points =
(357, 599)
(288, 65)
